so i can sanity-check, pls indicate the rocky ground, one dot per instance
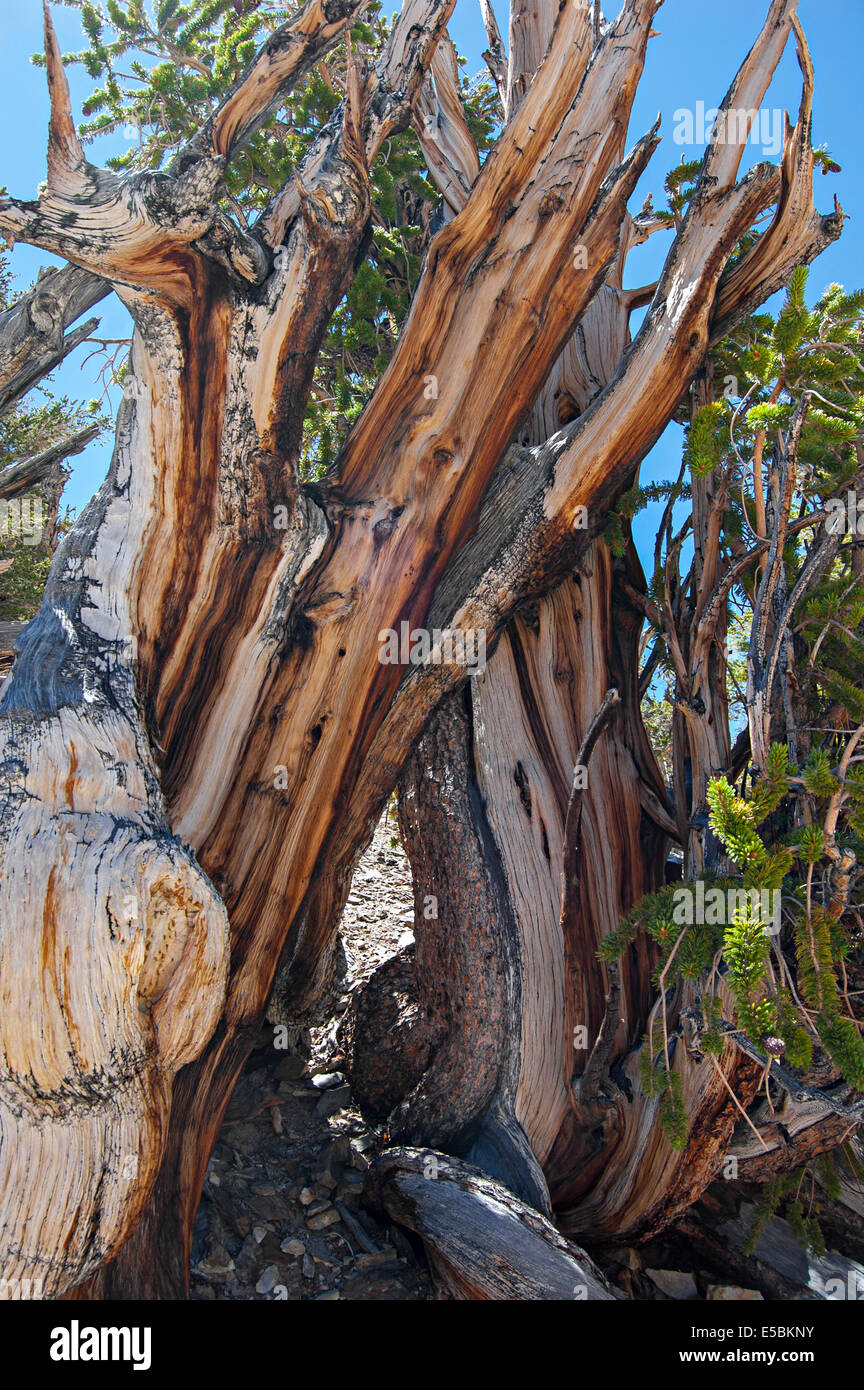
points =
(281, 1216)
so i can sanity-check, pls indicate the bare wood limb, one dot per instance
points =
(130, 230)
(797, 234)
(390, 90)
(535, 127)
(443, 131)
(401, 71)
(495, 55)
(15, 478)
(32, 341)
(595, 729)
(68, 169)
(484, 1242)
(598, 1059)
(740, 105)
(531, 28)
(639, 297)
(283, 60)
(586, 1088)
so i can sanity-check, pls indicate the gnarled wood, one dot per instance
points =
(33, 332)
(189, 648)
(484, 1243)
(542, 685)
(16, 478)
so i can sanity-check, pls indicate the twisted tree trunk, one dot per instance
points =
(198, 734)
(526, 1034)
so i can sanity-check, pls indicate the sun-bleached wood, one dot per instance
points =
(542, 685)
(189, 647)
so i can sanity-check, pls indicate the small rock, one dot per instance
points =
(267, 1281)
(308, 1267)
(262, 1189)
(321, 1205)
(290, 1068)
(329, 1297)
(326, 1080)
(326, 1178)
(292, 1246)
(322, 1219)
(307, 1196)
(385, 1256)
(333, 1100)
(340, 1151)
(674, 1283)
(217, 1262)
(730, 1293)
(321, 1259)
(258, 1233)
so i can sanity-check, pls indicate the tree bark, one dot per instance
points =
(33, 336)
(198, 730)
(484, 1243)
(557, 895)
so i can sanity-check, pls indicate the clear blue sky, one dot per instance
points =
(699, 48)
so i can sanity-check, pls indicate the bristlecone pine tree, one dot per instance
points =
(199, 735)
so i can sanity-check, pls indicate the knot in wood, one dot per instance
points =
(551, 201)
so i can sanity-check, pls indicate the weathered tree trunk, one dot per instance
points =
(510, 997)
(198, 730)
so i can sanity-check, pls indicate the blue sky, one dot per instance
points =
(699, 48)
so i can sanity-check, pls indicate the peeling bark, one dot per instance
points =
(609, 1167)
(188, 648)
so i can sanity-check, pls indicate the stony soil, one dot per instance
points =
(281, 1216)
